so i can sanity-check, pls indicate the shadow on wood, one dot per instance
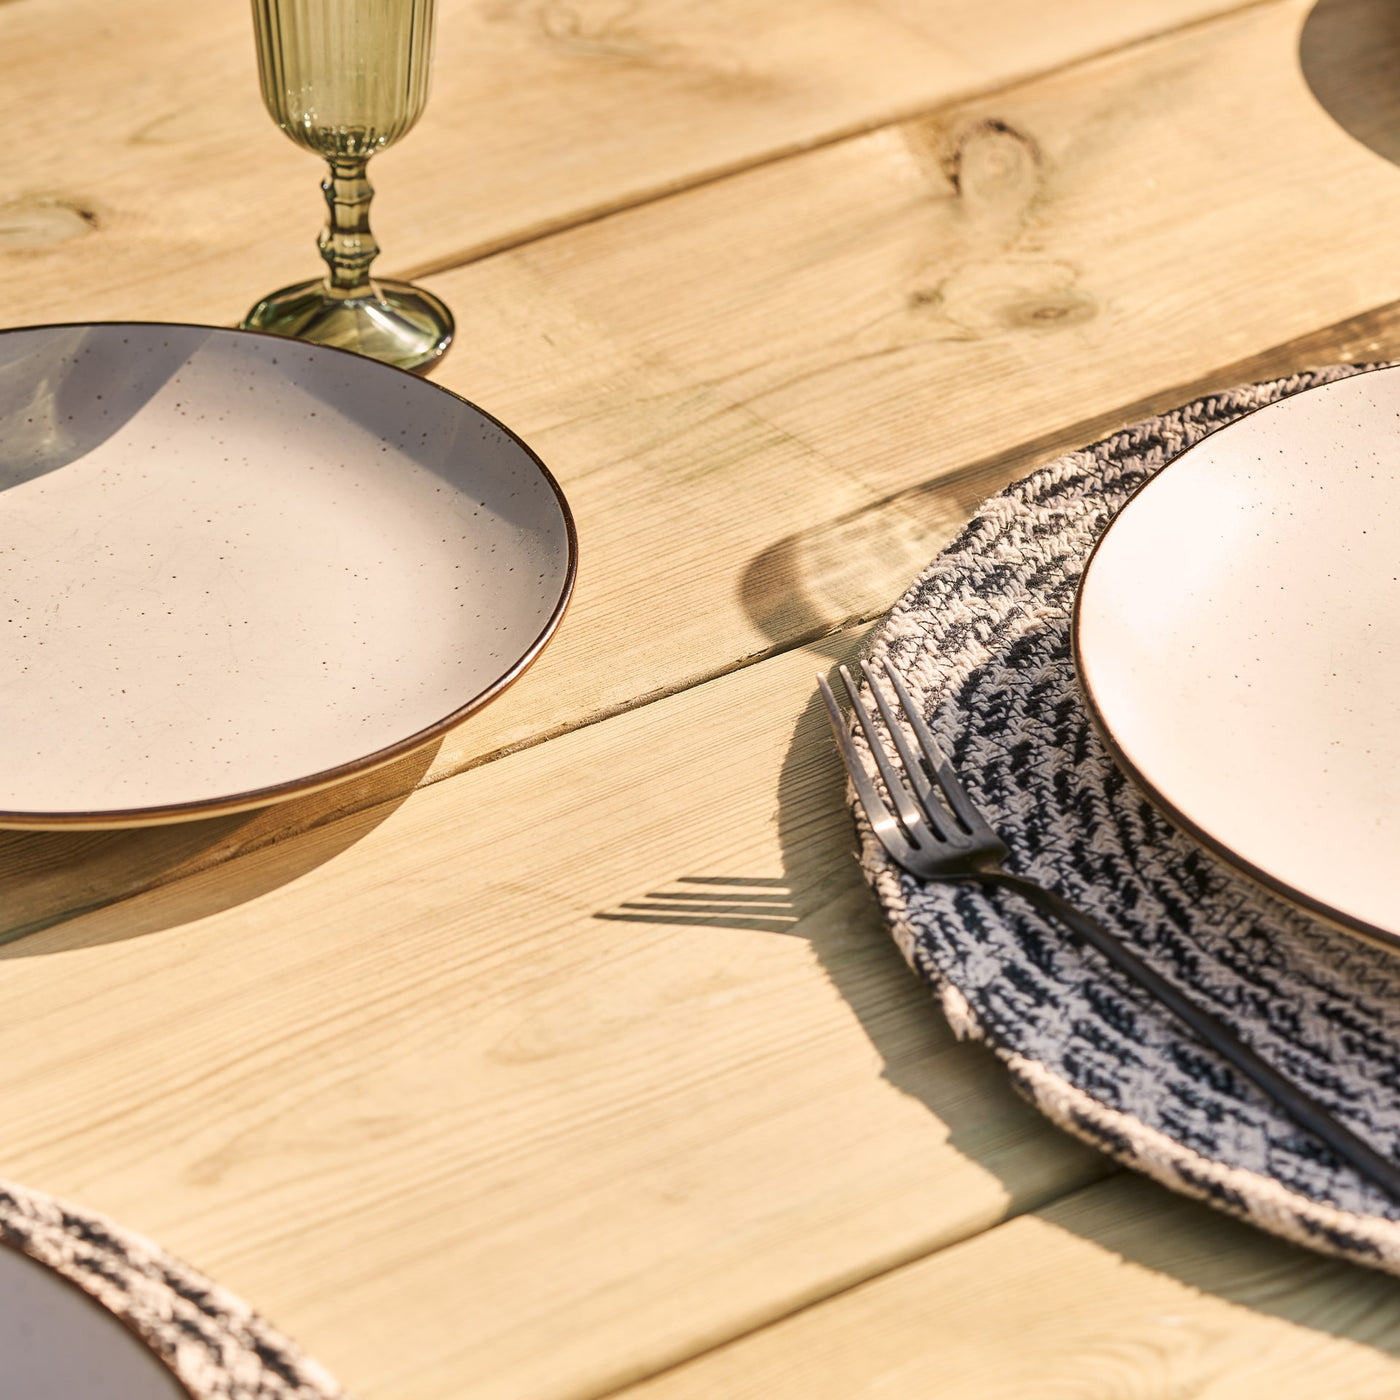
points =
(840, 919)
(1145, 1224)
(852, 568)
(1350, 55)
(810, 585)
(83, 887)
(715, 901)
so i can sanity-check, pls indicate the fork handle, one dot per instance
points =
(1300, 1106)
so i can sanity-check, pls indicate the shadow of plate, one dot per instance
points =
(61, 890)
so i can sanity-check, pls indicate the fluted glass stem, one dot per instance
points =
(346, 242)
(346, 78)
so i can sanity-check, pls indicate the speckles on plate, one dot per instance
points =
(182, 660)
(1243, 671)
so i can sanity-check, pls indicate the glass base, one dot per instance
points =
(400, 324)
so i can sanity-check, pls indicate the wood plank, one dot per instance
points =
(726, 510)
(773, 399)
(143, 180)
(1120, 1290)
(550, 1076)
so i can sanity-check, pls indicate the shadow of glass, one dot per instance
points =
(64, 390)
(1350, 55)
(812, 583)
(61, 890)
(809, 586)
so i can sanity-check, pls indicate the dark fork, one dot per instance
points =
(940, 835)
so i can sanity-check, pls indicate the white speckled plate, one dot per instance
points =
(1237, 636)
(59, 1344)
(235, 568)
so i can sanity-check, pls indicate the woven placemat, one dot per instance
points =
(983, 638)
(213, 1342)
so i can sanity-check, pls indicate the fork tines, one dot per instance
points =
(928, 820)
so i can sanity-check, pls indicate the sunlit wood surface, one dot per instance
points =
(572, 1058)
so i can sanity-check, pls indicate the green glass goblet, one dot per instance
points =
(344, 79)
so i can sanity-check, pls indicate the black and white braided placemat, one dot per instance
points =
(213, 1342)
(983, 638)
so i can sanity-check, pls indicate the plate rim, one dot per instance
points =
(14, 1246)
(1349, 923)
(114, 818)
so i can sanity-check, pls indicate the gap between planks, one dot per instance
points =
(537, 1111)
(1117, 1288)
(1373, 335)
(951, 496)
(776, 155)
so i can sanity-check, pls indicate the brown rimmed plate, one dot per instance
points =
(1237, 637)
(57, 1343)
(235, 568)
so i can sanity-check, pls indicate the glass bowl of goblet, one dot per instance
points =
(344, 79)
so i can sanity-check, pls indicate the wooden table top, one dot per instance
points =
(779, 289)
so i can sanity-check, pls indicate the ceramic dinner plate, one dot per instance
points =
(234, 568)
(56, 1343)
(1237, 636)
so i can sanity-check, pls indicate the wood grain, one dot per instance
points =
(773, 399)
(1119, 1290)
(533, 1082)
(143, 180)
(549, 1076)
(766, 446)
